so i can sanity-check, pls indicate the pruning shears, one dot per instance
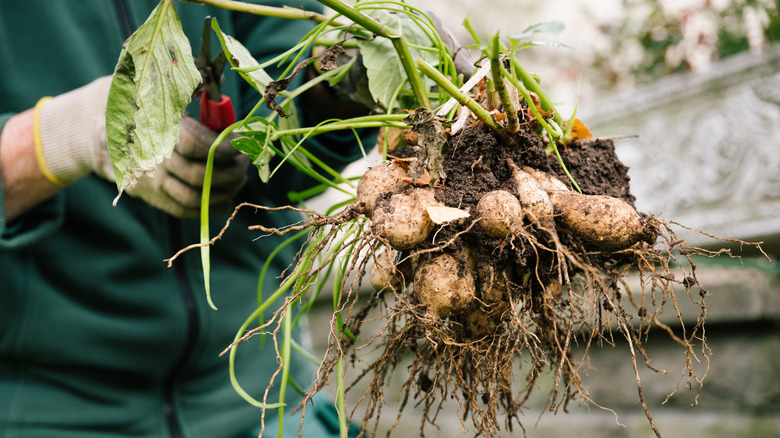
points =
(216, 110)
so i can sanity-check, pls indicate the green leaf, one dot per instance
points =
(554, 27)
(383, 66)
(545, 43)
(256, 149)
(242, 60)
(148, 95)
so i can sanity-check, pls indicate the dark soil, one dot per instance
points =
(538, 291)
(476, 164)
(596, 168)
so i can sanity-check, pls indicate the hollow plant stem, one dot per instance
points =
(530, 82)
(535, 111)
(474, 35)
(341, 405)
(204, 212)
(462, 99)
(407, 61)
(267, 11)
(497, 71)
(285, 358)
(371, 121)
(527, 78)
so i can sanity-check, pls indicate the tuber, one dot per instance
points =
(403, 219)
(444, 285)
(548, 182)
(497, 212)
(377, 181)
(534, 199)
(604, 222)
(482, 320)
(386, 273)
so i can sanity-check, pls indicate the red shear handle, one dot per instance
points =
(216, 115)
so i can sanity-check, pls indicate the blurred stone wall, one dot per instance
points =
(705, 148)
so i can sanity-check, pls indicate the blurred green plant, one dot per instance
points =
(655, 38)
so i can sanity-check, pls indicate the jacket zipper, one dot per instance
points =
(193, 326)
(185, 291)
(125, 21)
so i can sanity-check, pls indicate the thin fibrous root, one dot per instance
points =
(319, 220)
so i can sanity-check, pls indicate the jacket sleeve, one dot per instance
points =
(35, 224)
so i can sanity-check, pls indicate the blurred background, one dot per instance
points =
(694, 85)
(616, 45)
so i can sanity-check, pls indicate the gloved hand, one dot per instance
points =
(463, 64)
(176, 186)
(71, 143)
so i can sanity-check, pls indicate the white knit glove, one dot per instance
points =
(70, 136)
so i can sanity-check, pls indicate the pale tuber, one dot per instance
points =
(534, 199)
(386, 273)
(548, 182)
(403, 219)
(444, 285)
(377, 181)
(498, 212)
(604, 222)
(482, 320)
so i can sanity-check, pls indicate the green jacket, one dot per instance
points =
(98, 338)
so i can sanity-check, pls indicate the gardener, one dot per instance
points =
(97, 336)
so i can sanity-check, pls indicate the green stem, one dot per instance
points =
(531, 106)
(497, 71)
(204, 212)
(550, 132)
(303, 352)
(462, 99)
(530, 82)
(341, 405)
(407, 61)
(399, 43)
(286, 359)
(288, 282)
(327, 42)
(474, 35)
(353, 14)
(334, 127)
(425, 24)
(267, 11)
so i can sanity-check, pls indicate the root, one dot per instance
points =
(447, 362)
(560, 300)
(319, 221)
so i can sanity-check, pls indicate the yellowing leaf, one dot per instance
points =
(152, 85)
(442, 215)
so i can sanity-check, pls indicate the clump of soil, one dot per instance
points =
(539, 290)
(536, 297)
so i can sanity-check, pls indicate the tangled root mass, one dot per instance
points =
(537, 291)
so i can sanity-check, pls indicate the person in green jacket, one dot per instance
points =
(98, 338)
